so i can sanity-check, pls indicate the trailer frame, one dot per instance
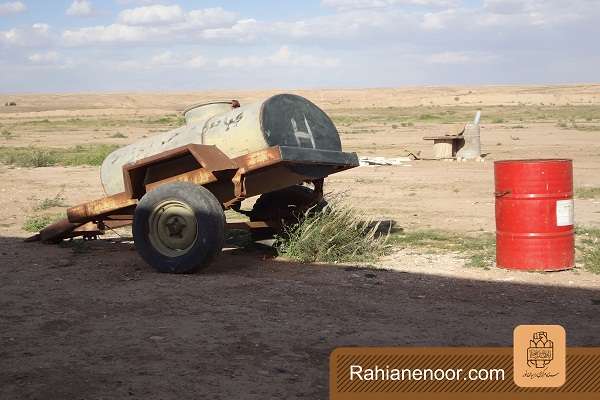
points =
(230, 180)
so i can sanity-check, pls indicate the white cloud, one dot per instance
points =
(135, 2)
(10, 36)
(282, 58)
(353, 25)
(449, 57)
(242, 31)
(196, 62)
(538, 12)
(80, 8)
(438, 21)
(155, 14)
(105, 34)
(505, 6)
(36, 35)
(44, 58)
(12, 7)
(362, 4)
(165, 59)
(211, 18)
(41, 28)
(162, 24)
(460, 57)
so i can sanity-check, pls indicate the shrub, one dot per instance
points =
(86, 155)
(589, 247)
(36, 223)
(587, 192)
(26, 157)
(6, 134)
(56, 201)
(46, 157)
(478, 250)
(426, 117)
(591, 258)
(334, 234)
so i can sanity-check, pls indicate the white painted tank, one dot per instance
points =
(284, 120)
(201, 112)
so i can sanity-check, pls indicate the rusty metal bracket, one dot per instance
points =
(230, 180)
(212, 160)
(238, 183)
(116, 204)
(239, 189)
(318, 191)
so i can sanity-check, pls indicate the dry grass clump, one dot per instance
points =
(36, 157)
(51, 202)
(479, 251)
(7, 135)
(335, 234)
(587, 192)
(35, 223)
(589, 248)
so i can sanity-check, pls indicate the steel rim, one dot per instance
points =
(172, 228)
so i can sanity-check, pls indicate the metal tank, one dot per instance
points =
(472, 140)
(281, 120)
(202, 111)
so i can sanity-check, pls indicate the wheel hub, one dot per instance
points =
(172, 228)
(175, 226)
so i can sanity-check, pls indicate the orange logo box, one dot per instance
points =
(539, 356)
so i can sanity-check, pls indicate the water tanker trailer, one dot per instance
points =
(175, 186)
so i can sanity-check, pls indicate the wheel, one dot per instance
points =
(179, 227)
(286, 205)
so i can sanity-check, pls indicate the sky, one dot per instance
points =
(153, 45)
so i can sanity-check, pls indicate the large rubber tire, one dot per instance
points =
(289, 205)
(195, 209)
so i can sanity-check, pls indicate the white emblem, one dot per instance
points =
(303, 136)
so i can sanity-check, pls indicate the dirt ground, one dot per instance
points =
(92, 321)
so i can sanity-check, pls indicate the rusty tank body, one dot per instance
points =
(281, 120)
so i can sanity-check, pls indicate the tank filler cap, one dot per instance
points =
(203, 111)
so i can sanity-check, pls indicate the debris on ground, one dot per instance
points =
(365, 161)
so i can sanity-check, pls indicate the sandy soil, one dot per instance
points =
(99, 324)
(91, 320)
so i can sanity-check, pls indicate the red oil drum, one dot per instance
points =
(534, 214)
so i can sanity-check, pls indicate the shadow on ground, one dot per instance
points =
(91, 320)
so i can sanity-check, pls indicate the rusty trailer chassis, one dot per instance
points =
(229, 180)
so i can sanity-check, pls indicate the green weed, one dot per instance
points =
(36, 223)
(479, 251)
(51, 202)
(587, 192)
(588, 245)
(7, 135)
(48, 156)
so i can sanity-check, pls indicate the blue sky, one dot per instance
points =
(121, 45)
